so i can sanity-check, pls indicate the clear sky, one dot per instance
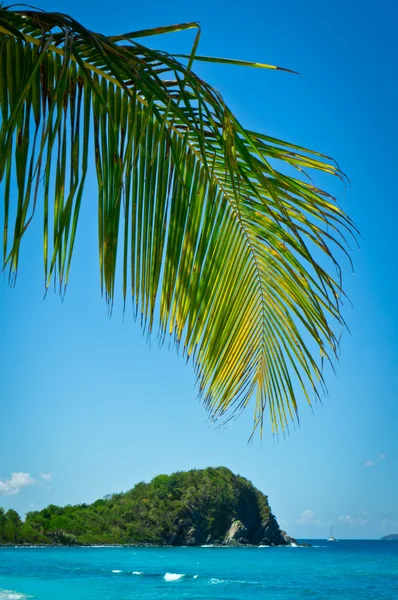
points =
(88, 408)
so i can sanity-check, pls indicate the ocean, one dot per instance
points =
(343, 570)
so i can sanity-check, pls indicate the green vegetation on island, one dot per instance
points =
(209, 506)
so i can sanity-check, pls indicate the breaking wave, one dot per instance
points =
(11, 595)
(173, 576)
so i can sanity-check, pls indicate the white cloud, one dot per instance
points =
(353, 521)
(46, 476)
(369, 463)
(390, 524)
(16, 482)
(382, 455)
(308, 518)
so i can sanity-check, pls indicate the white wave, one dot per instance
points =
(263, 546)
(207, 546)
(105, 546)
(117, 571)
(137, 573)
(173, 576)
(195, 576)
(293, 545)
(214, 581)
(11, 595)
(36, 546)
(25, 547)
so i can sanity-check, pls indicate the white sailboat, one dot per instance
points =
(331, 538)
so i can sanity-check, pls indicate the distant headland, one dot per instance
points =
(211, 506)
(392, 536)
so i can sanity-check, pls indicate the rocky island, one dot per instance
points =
(392, 536)
(192, 508)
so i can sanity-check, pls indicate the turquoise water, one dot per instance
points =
(344, 570)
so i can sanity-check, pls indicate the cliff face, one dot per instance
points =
(247, 520)
(209, 506)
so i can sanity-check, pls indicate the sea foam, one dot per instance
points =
(11, 595)
(173, 576)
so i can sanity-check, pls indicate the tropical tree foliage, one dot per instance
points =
(223, 242)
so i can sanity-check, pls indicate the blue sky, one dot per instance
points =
(89, 408)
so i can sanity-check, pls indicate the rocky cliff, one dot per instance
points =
(244, 518)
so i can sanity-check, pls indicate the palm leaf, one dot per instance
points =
(221, 246)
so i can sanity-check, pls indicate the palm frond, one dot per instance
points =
(230, 254)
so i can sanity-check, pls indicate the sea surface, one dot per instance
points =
(343, 570)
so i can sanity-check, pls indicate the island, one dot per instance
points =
(392, 536)
(210, 506)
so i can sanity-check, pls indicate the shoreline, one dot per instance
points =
(148, 545)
